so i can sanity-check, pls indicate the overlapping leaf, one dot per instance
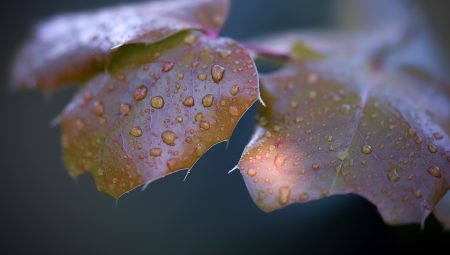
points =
(72, 48)
(337, 124)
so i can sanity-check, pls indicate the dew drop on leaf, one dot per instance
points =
(217, 73)
(140, 93)
(169, 137)
(157, 102)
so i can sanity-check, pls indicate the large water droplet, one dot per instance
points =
(140, 93)
(169, 137)
(217, 73)
(208, 100)
(434, 171)
(393, 174)
(366, 149)
(280, 160)
(432, 148)
(155, 152)
(234, 90)
(251, 172)
(136, 131)
(125, 109)
(188, 102)
(157, 102)
(204, 125)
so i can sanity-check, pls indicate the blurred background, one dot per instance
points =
(44, 211)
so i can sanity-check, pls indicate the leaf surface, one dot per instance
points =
(337, 124)
(72, 48)
(157, 110)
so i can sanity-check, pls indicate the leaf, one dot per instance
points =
(72, 48)
(159, 108)
(344, 124)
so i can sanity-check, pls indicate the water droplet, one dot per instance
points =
(330, 138)
(285, 193)
(432, 148)
(155, 152)
(97, 108)
(204, 124)
(280, 160)
(168, 66)
(217, 73)
(140, 93)
(179, 119)
(315, 166)
(366, 149)
(411, 131)
(234, 90)
(224, 53)
(190, 39)
(188, 102)
(136, 131)
(202, 76)
(157, 102)
(434, 171)
(125, 109)
(438, 136)
(172, 164)
(251, 172)
(417, 193)
(79, 124)
(169, 137)
(234, 111)
(199, 116)
(393, 174)
(208, 100)
(180, 76)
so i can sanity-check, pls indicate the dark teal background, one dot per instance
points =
(43, 211)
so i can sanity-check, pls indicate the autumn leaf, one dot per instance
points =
(72, 48)
(338, 123)
(158, 110)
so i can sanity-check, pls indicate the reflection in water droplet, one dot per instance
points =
(217, 73)
(157, 102)
(136, 131)
(125, 109)
(140, 93)
(208, 100)
(434, 171)
(169, 137)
